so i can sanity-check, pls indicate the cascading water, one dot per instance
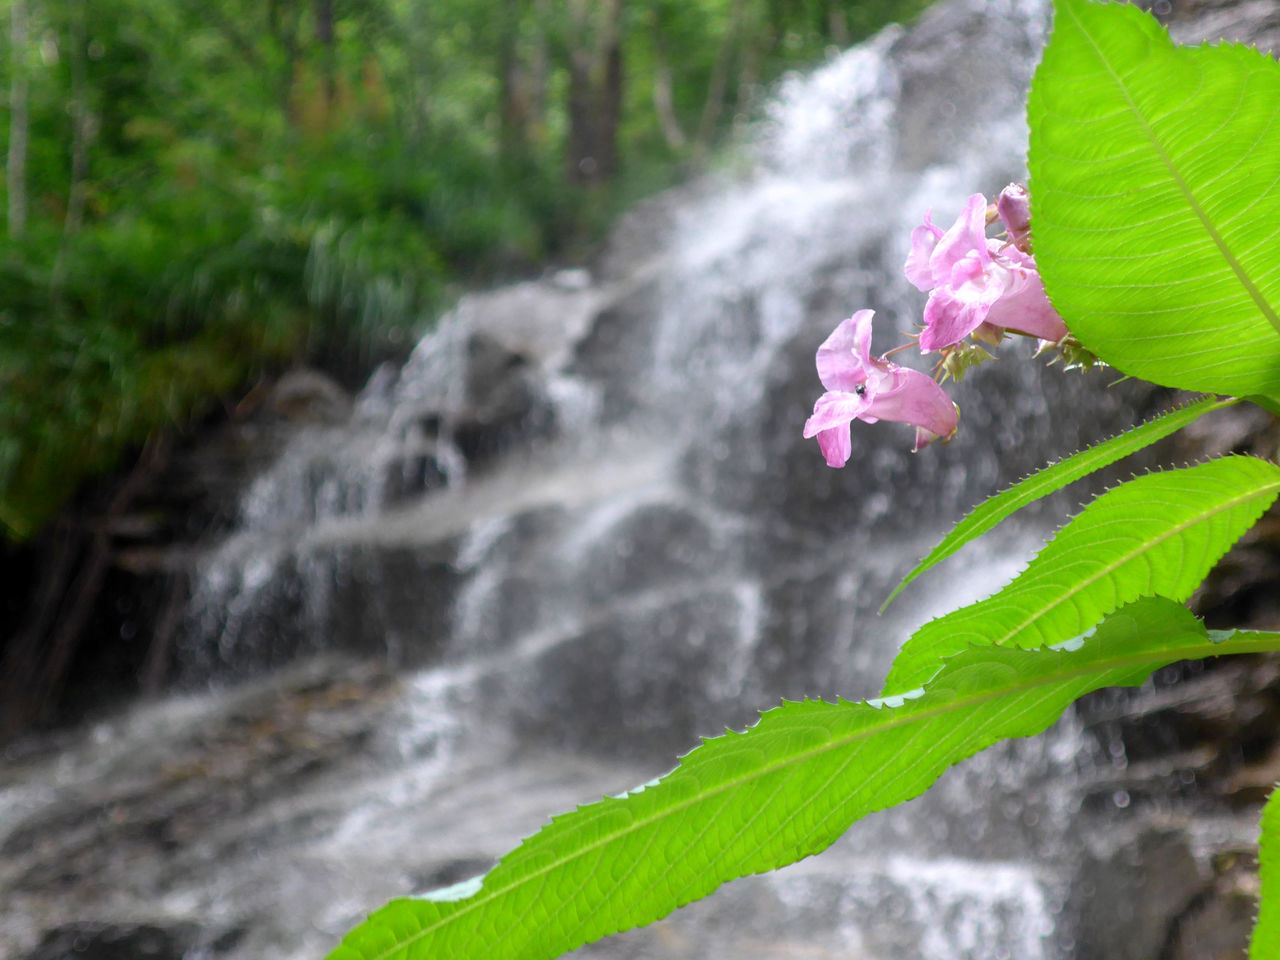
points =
(577, 530)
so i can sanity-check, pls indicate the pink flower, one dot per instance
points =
(862, 388)
(977, 285)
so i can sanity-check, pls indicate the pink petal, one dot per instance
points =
(844, 356)
(1005, 253)
(949, 319)
(836, 445)
(833, 409)
(1026, 309)
(966, 237)
(956, 309)
(924, 438)
(977, 280)
(918, 400)
(924, 239)
(870, 389)
(861, 323)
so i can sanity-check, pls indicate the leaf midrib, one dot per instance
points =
(1146, 545)
(1254, 642)
(1264, 306)
(987, 515)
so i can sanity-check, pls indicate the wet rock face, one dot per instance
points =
(1187, 762)
(1131, 897)
(982, 66)
(505, 404)
(1217, 923)
(613, 351)
(1153, 895)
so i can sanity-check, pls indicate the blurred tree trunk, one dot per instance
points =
(525, 29)
(838, 26)
(719, 83)
(81, 119)
(758, 40)
(416, 32)
(18, 119)
(514, 105)
(286, 36)
(611, 93)
(82, 131)
(595, 90)
(328, 55)
(663, 98)
(775, 32)
(748, 72)
(539, 71)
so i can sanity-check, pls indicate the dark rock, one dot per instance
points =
(107, 941)
(416, 473)
(1216, 925)
(615, 351)
(1151, 896)
(448, 873)
(318, 600)
(309, 396)
(1204, 725)
(1128, 898)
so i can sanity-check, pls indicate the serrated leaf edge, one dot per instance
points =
(959, 537)
(1261, 642)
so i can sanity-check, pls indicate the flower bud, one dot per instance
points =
(1014, 209)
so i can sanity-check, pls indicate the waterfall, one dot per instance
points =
(579, 529)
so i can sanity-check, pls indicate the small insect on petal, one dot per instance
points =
(862, 387)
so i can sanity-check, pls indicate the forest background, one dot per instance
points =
(199, 193)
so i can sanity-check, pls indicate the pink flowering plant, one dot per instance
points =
(980, 289)
(1148, 241)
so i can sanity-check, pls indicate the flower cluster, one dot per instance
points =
(979, 287)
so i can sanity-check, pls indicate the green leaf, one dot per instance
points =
(1155, 181)
(786, 788)
(1056, 476)
(1156, 534)
(1265, 942)
(1269, 404)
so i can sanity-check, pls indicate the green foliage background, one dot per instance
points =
(215, 188)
